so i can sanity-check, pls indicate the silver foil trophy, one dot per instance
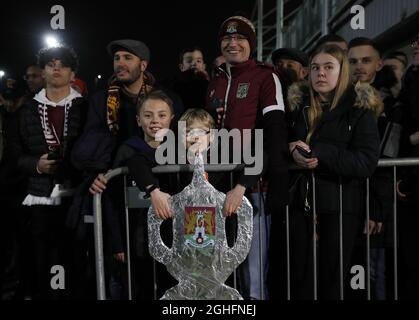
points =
(200, 259)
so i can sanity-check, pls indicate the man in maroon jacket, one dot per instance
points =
(247, 95)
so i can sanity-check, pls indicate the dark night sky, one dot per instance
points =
(165, 26)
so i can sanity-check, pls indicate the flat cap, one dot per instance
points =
(292, 54)
(135, 47)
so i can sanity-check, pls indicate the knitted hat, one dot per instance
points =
(240, 25)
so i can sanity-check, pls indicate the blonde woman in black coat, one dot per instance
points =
(335, 135)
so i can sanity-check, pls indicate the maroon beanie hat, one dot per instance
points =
(240, 25)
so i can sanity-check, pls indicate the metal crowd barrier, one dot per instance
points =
(132, 201)
(383, 163)
(129, 203)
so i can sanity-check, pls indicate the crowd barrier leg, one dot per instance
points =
(128, 240)
(341, 285)
(315, 289)
(262, 220)
(396, 291)
(234, 235)
(98, 233)
(287, 235)
(368, 246)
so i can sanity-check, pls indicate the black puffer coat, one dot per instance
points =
(346, 143)
(29, 144)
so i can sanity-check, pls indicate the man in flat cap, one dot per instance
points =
(292, 62)
(112, 121)
(247, 94)
(112, 113)
(291, 66)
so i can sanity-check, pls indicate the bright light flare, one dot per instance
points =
(52, 42)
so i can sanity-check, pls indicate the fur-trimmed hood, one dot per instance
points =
(297, 95)
(366, 97)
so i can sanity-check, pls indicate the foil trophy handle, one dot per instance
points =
(157, 248)
(244, 233)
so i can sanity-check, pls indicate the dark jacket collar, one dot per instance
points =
(139, 144)
(345, 103)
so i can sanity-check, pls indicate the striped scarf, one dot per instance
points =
(113, 102)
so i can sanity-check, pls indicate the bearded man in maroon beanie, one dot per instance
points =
(247, 94)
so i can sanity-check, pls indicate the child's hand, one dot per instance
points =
(300, 160)
(46, 166)
(233, 200)
(160, 203)
(99, 185)
(120, 256)
(402, 196)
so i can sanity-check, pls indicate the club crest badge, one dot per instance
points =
(199, 226)
(232, 27)
(242, 90)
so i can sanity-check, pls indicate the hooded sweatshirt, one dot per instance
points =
(54, 121)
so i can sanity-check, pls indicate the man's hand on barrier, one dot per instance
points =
(99, 185)
(379, 227)
(160, 203)
(374, 227)
(402, 196)
(233, 200)
(46, 166)
(120, 256)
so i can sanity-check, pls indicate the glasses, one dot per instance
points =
(196, 132)
(237, 37)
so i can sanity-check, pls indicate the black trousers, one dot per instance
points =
(52, 246)
(328, 253)
(409, 250)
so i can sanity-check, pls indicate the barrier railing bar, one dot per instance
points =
(314, 238)
(98, 223)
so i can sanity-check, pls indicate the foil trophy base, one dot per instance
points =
(222, 292)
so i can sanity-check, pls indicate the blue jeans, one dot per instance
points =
(378, 268)
(251, 267)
